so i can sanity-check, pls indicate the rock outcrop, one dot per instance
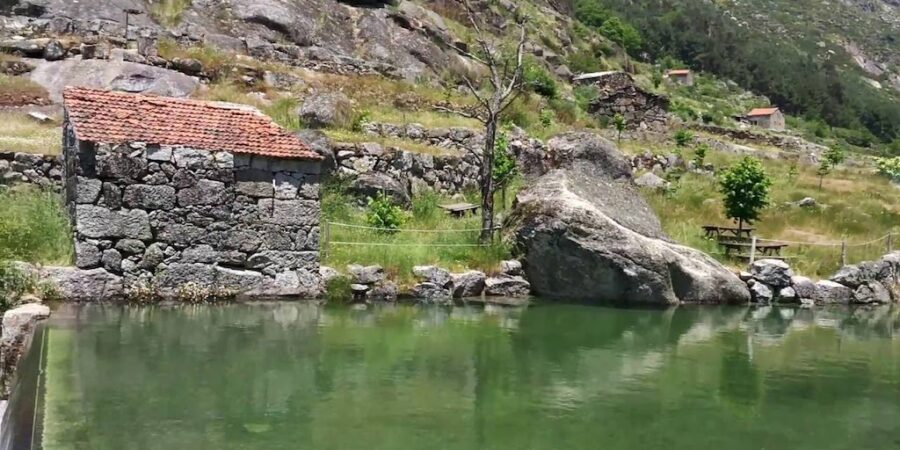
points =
(585, 233)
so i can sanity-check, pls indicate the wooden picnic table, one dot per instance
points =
(460, 209)
(764, 250)
(713, 231)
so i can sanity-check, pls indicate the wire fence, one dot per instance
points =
(338, 234)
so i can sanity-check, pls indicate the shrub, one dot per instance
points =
(700, 155)
(889, 167)
(384, 214)
(169, 12)
(504, 167)
(284, 112)
(566, 111)
(585, 61)
(683, 138)
(426, 205)
(360, 119)
(547, 118)
(13, 284)
(538, 80)
(584, 96)
(337, 290)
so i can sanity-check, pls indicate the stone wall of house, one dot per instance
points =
(164, 217)
(25, 168)
(617, 94)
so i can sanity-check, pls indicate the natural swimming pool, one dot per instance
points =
(296, 375)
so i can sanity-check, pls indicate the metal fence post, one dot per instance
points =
(324, 243)
(753, 250)
(843, 253)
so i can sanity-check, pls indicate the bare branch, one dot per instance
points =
(459, 112)
(490, 60)
(520, 55)
(475, 92)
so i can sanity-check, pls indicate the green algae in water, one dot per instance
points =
(289, 376)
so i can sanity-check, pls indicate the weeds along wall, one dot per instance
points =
(163, 217)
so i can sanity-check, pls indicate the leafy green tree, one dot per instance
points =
(889, 167)
(657, 78)
(831, 159)
(745, 188)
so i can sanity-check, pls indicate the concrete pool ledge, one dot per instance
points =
(18, 330)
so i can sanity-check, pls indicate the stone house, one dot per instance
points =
(173, 193)
(618, 94)
(683, 77)
(770, 118)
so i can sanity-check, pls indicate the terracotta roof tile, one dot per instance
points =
(756, 112)
(117, 118)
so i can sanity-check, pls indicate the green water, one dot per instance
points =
(297, 376)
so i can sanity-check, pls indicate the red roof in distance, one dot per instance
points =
(757, 112)
(117, 118)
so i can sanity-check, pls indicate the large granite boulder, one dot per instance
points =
(326, 109)
(585, 233)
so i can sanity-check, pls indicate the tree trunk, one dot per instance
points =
(487, 181)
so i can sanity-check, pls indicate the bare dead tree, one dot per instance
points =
(504, 84)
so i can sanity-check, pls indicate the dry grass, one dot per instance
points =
(17, 91)
(20, 133)
(169, 12)
(857, 206)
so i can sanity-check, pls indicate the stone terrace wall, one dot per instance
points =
(168, 216)
(40, 170)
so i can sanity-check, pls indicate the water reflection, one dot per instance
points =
(298, 375)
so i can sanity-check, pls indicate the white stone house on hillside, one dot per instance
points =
(770, 118)
(683, 77)
(175, 193)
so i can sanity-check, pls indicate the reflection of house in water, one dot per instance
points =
(617, 94)
(683, 77)
(770, 118)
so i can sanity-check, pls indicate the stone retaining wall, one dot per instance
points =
(18, 330)
(26, 168)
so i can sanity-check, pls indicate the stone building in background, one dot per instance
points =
(683, 77)
(618, 94)
(770, 118)
(172, 193)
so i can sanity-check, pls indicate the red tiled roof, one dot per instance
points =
(756, 112)
(117, 118)
(679, 72)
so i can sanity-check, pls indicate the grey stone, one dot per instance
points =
(468, 284)
(180, 234)
(145, 196)
(189, 158)
(131, 246)
(111, 196)
(286, 186)
(651, 180)
(804, 287)
(773, 272)
(872, 292)
(119, 166)
(205, 192)
(54, 51)
(159, 153)
(87, 255)
(98, 222)
(327, 274)
(760, 293)
(586, 233)
(365, 274)
(87, 190)
(850, 276)
(507, 286)
(255, 183)
(238, 280)
(511, 267)
(385, 291)
(77, 285)
(176, 276)
(432, 294)
(274, 261)
(370, 185)
(204, 254)
(153, 256)
(433, 275)
(289, 212)
(829, 292)
(326, 109)
(112, 260)
(808, 202)
(787, 295)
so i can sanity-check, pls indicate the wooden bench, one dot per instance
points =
(460, 209)
(713, 231)
(763, 250)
